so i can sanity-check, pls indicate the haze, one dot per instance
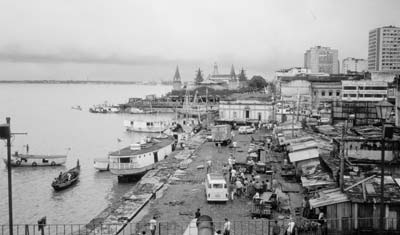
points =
(145, 40)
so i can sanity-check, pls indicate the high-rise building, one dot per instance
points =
(353, 65)
(322, 60)
(384, 49)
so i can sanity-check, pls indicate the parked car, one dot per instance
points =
(243, 129)
(250, 130)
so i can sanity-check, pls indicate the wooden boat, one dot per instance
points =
(36, 160)
(101, 164)
(67, 179)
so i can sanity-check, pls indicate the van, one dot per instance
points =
(216, 188)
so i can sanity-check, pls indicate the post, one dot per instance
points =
(10, 210)
(341, 180)
(382, 184)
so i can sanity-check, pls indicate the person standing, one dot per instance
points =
(290, 229)
(153, 225)
(197, 214)
(227, 227)
(209, 164)
(276, 229)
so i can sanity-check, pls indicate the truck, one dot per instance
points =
(221, 134)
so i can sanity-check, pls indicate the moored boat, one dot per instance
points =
(146, 126)
(101, 164)
(67, 179)
(36, 160)
(138, 158)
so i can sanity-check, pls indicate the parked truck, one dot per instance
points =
(221, 134)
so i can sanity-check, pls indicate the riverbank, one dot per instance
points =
(114, 218)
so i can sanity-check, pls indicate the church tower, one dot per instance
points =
(233, 74)
(176, 82)
(215, 71)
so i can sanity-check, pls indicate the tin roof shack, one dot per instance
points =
(304, 157)
(357, 209)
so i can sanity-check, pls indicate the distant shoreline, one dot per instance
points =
(78, 82)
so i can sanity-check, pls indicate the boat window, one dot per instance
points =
(217, 186)
(124, 160)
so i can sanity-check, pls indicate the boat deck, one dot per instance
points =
(155, 144)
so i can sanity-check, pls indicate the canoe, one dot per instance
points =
(66, 179)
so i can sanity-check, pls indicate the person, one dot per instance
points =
(306, 207)
(239, 188)
(60, 176)
(225, 171)
(153, 225)
(276, 229)
(227, 227)
(197, 214)
(27, 149)
(290, 229)
(69, 176)
(209, 163)
(256, 196)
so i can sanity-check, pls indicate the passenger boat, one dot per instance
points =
(36, 160)
(101, 164)
(138, 158)
(146, 126)
(67, 179)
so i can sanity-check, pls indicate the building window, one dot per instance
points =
(330, 93)
(323, 93)
(234, 115)
(337, 93)
(315, 93)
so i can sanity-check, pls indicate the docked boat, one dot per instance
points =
(146, 126)
(67, 179)
(136, 159)
(36, 160)
(101, 164)
(78, 107)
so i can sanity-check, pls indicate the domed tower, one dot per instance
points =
(176, 82)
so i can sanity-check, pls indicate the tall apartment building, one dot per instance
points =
(384, 49)
(353, 65)
(322, 60)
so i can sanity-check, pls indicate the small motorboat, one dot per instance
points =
(78, 107)
(67, 179)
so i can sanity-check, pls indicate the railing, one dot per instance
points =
(123, 166)
(249, 227)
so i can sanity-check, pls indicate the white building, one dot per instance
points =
(322, 60)
(353, 65)
(364, 90)
(384, 49)
(245, 110)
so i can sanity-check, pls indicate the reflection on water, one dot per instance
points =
(44, 111)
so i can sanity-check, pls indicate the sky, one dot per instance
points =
(147, 39)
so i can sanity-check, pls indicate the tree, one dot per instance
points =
(199, 77)
(242, 76)
(257, 83)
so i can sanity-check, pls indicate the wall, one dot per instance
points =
(236, 110)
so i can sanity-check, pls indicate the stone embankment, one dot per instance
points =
(114, 218)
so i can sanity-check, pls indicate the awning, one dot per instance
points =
(303, 155)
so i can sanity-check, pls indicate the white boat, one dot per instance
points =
(101, 164)
(138, 158)
(146, 126)
(36, 160)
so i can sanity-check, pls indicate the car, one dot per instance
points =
(243, 129)
(250, 130)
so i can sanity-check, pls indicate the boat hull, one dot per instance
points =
(59, 187)
(101, 164)
(23, 160)
(146, 130)
(131, 172)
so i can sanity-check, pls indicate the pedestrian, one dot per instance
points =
(197, 214)
(225, 171)
(209, 163)
(232, 191)
(306, 207)
(290, 229)
(239, 188)
(276, 229)
(233, 175)
(153, 225)
(227, 227)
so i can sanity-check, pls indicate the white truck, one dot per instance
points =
(221, 134)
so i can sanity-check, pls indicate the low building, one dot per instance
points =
(246, 111)
(364, 90)
(353, 65)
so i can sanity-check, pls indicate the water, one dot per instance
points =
(44, 112)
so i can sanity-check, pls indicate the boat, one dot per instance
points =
(146, 126)
(136, 159)
(78, 107)
(67, 179)
(34, 160)
(101, 164)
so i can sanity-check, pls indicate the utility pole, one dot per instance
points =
(10, 209)
(341, 180)
(382, 224)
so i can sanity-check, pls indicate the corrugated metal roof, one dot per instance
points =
(303, 155)
(329, 197)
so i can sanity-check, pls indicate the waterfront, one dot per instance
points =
(44, 112)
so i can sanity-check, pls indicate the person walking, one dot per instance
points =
(153, 225)
(197, 214)
(227, 227)
(209, 165)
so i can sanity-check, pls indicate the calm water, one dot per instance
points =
(44, 112)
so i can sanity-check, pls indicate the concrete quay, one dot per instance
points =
(114, 218)
(185, 193)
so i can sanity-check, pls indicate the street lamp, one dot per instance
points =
(383, 110)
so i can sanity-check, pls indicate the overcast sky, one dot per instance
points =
(132, 39)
